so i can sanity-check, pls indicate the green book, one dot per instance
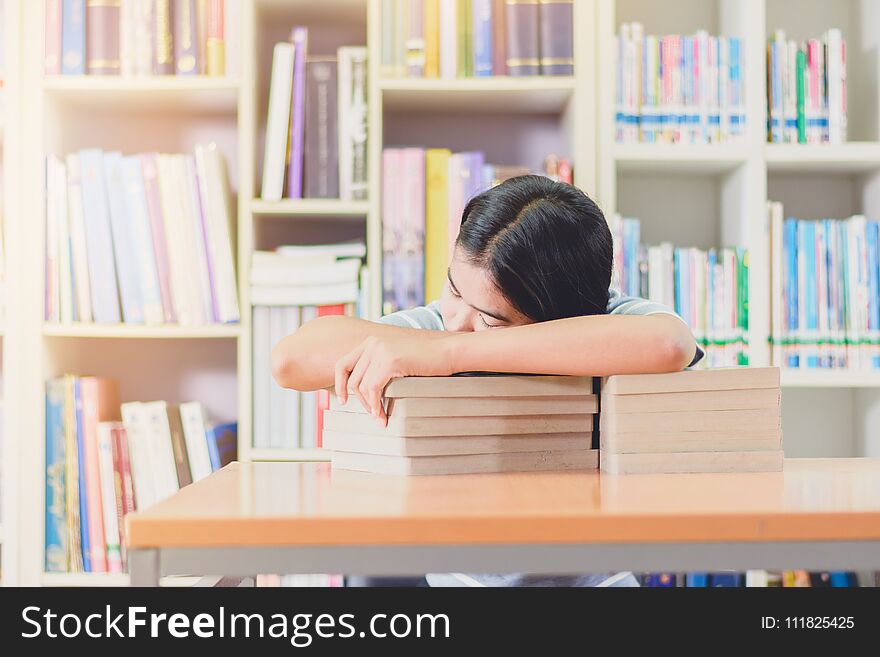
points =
(801, 96)
(462, 16)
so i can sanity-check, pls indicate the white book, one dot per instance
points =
(277, 122)
(127, 37)
(777, 300)
(290, 319)
(273, 259)
(262, 376)
(836, 102)
(143, 471)
(757, 578)
(143, 33)
(337, 250)
(304, 296)
(756, 461)
(448, 40)
(343, 121)
(177, 255)
(279, 423)
(232, 37)
(142, 234)
(192, 419)
(341, 271)
(220, 227)
(78, 240)
(159, 437)
(201, 256)
(193, 279)
(108, 496)
(65, 274)
(308, 416)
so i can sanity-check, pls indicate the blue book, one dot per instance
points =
(686, 283)
(872, 240)
(56, 505)
(85, 543)
(712, 259)
(102, 270)
(697, 580)
(790, 231)
(482, 35)
(843, 255)
(676, 269)
(737, 109)
(807, 235)
(844, 580)
(726, 580)
(123, 242)
(659, 580)
(222, 444)
(73, 37)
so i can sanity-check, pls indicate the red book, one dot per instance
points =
(102, 38)
(324, 395)
(125, 501)
(499, 38)
(53, 37)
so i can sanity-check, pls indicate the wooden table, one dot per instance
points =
(818, 514)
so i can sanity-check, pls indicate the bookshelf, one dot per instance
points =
(702, 196)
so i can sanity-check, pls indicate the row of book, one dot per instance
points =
(679, 89)
(424, 192)
(144, 239)
(104, 460)
(291, 286)
(751, 578)
(707, 288)
(139, 37)
(806, 89)
(476, 38)
(316, 129)
(824, 291)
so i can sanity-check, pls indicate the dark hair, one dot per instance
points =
(545, 244)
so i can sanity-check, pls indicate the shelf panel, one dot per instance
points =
(108, 579)
(167, 94)
(311, 207)
(853, 157)
(830, 378)
(706, 159)
(141, 332)
(538, 95)
(263, 454)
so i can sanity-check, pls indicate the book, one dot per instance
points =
(340, 441)
(178, 446)
(665, 441)
(160, 443)
(351, 105)
(123, 482)
(102, 36)
(193, 421)
(436, 231)
(733, 378)
(163, 39)
(141, 461)
(128, 38)
(431, 32)
(104, 436)
(143, 30)
(757, 420)
(556, 21)
(481, 21)
(56, 535)
(75, 556)
(458, 426)
(476, 406)
(53, 50)
(299, 37)
(289, 272)
(448, 40)
(215, 43)
(186, 45)
(489, 385)
(73, 36)
(150, 171)
(652, 463)
(124, 244)
(280, 90)
(321, 150)
(704, 400)
(222, 440)
(84, 533)
(263, 295)
(262, 380)
(499, 38)
(583, 459)
(414, 56)
(523, 54)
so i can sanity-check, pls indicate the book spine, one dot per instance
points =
(436, 231)
(123, 485)
(140, 462)
(415, 40)
(148, 163)
(299, 37)
(178, 447)
(448, 40)
(72, 479)
(91, 410)
(144, 36)
(127, 38)
(801, 96)
(85, 519)
(103, 434)
(278, 121)
(163, 41)
(431, 31)
(202, 35)
(499, 38)
(359, 135)
(481, 17)
(557, 55)
(388, 19)
(192, 417)
(203, 258)
(872, 238)
(186, 50)
(321, 149)
(73, 37)
(52, 62)
(56, 543)
(216, 46)
(102, 29)
(461, 38)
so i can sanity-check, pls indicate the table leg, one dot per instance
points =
(143, 566)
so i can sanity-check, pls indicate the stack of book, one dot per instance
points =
(708, 289)
(806, 89)
(679, 89)
(140, 37)
(468, 424)
(316, 129)
(722, 420)
(143, 239)
(424, 192)
(291, 286)
(825, 292)
(104, 460)
(476, 38)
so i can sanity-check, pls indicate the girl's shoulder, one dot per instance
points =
(420, 317)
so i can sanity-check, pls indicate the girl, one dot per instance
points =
(533, 257)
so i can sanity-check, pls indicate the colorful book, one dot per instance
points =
(299, 37)
(57, 537)
(104, 435)
(52, 64)
(124, 245)
(186, 45)
(73, 36)
(163, 39)
(556, 47)
(481, 17)
(222, 444)
(523, 52)
(102, 30)
(321, 147)
(216, 45)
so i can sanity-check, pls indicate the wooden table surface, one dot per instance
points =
(308, 504)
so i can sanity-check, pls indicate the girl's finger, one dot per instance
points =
(372, 386)
(356, 377)
(342, 372)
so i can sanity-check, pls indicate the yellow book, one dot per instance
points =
(436, 229)
(432, 38)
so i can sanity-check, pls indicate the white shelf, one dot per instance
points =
(853, 157)
(706, 159)
(537, 95)
(108, 580)
(830, 378)
(200, 94)
(311, 207)
(262, 454)
(141, 332)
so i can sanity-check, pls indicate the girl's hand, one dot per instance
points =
(367, 369)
